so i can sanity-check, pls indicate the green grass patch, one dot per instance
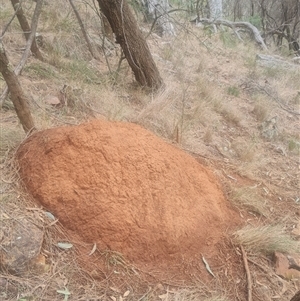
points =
(294, 146)
(233, 90)
(41, 71)
(228, 39)
(80, 70)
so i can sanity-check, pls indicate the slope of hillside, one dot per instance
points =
(234, 115)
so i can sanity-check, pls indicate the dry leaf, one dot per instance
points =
(126, 293)
(64, 245)
(113, 298)
(93, 249)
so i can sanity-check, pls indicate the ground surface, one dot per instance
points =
(237, 118)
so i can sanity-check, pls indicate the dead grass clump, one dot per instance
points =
(208, 136)
(10, 137)
(231, 116)
(204, 91)
(266, 239)
(189, 295)
(260, 112)
(244, 149)
(247, 198)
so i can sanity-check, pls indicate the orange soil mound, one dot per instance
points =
(126, 189)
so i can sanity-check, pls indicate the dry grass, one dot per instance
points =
(260, 111)
(214, 96)
(266, 239)
(247, 198)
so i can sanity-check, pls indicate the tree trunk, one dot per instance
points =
(31, 38)
(134, 46)
(18, 97)
(26, 28)
(106, 28)
(237, 10)
(215, 9)
(158, 10)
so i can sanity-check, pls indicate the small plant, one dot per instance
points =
(266, 239)
(255, 20)
(233, 90)
(228, 39)
(80, 70)
(294, 146)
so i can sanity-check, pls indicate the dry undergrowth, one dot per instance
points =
(215, 105)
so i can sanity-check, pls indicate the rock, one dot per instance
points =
(282, 266)
(52, 100)
(20, 247)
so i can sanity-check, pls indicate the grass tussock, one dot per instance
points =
(10, 137)
(247, 198)
(266, 239)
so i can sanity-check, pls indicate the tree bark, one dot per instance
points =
(133, 44)
(158, 10)
(215, 9)
(26, 28)
(18, 97)
(34, 23)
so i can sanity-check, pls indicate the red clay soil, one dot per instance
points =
(124, 188)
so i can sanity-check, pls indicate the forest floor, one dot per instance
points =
(221, 105)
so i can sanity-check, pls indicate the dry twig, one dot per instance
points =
(249, 279)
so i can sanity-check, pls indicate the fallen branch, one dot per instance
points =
(235, 25)
(249, 279)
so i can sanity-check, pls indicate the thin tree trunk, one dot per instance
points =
(131, 39)
(18, 97)
(26, 28)
(34, 23)
(85, 35)
(215, 9)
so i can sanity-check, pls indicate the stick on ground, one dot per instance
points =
(249, 279)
